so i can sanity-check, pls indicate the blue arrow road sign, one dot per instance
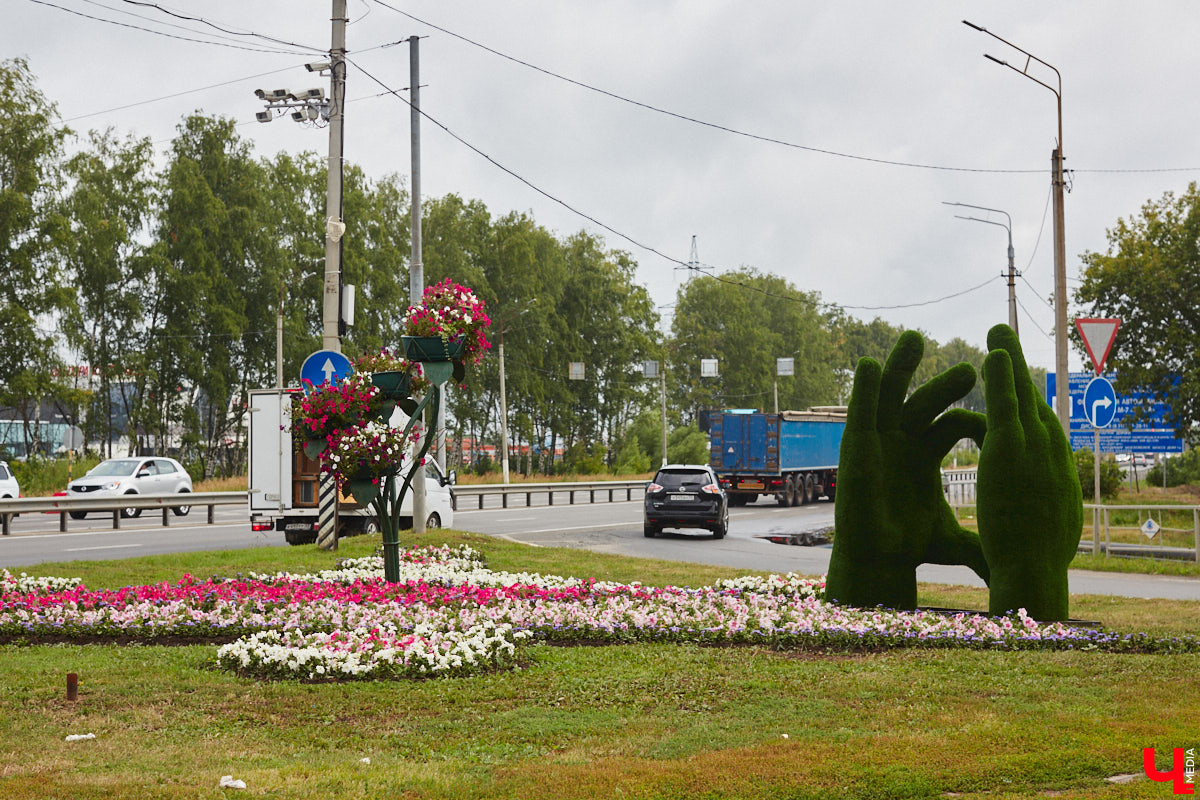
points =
(325, 366)
(1100, 402)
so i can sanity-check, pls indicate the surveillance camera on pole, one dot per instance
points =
(317, 66)
(264, 116)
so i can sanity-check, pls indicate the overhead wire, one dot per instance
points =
(648, 248)
(747, 134)
(152, 21)
(215, 26)
(158, 33)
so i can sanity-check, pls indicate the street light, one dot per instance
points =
(1012, 271)
(504, 321)
(1062, 403)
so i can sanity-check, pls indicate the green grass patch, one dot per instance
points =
(642, 720)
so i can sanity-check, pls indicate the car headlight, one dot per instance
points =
(111, 485)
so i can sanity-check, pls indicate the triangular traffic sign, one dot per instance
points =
(1098, 337)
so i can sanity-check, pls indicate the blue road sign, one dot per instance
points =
(1100, 402)
(1150, 436)
(1126, 404)
(325, 366)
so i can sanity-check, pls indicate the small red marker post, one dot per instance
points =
(72, 687)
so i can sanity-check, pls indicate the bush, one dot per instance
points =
(687, 445)
(631, 458)
(41, 477)
(1111, 476)
(1181, 469)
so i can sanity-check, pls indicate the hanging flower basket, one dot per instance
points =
(447, 325)
(392, 384)
(363, 487)
(434, 348)
(314, 447)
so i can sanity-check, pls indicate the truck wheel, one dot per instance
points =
(810, 490)
(788, 494)
(434, 521)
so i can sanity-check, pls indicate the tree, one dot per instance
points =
(1150, 279)
(217, 333)
(31, 227)
(109, 209)
(746, 320)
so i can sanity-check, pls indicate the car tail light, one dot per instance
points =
(262, 525)
(711, 488)
(654, 487)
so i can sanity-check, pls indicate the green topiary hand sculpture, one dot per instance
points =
(890, 511)
(1030, 504)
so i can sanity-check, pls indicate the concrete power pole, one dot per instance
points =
(416, 269)
(331, 298)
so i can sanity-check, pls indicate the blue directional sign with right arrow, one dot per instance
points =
(1100, 402)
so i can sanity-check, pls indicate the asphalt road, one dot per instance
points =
(602, 527)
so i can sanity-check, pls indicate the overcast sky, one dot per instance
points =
(881, 111)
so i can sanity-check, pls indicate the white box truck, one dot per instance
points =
(283, 480)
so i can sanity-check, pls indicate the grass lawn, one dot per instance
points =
(639, 721)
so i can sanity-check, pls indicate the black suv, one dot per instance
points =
(686, 496)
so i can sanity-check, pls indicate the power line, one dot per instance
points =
(925, 302)
(177, 94)
(746, 134)
(217, 27)
(157, 33)
(635, 242)
(135, 15)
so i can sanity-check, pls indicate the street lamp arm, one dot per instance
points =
(1029, 57)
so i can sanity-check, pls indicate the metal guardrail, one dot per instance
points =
(528, 490)
(63, 505)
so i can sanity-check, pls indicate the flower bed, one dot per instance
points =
(450, 615)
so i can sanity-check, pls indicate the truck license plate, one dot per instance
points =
(684, 497)
(750, 485)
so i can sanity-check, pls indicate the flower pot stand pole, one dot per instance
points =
(388, 502)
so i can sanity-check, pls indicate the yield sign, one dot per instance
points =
(1098, 336)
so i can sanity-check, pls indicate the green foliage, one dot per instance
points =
(687, 445)
(745, 320)
(1181, 469)
(585, 460)
(1150, 279)
(31, 227)
(631, 458)
(1030, 510)
(40, 477)
(890, 512)
(1111, 477)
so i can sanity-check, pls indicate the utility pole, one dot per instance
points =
(1062, 399)
(331, 300)
(416, 269)
(332, 295)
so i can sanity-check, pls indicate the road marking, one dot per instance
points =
(99, 547)
(512, 519)
(124, 529)
(578, 528)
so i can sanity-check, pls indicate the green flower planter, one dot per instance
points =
(314, 447)
(362, 489)
(392, 384)
(433, 348)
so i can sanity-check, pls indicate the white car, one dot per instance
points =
(9, 489)
(120, 476)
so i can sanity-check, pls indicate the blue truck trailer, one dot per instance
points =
(792, 455)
